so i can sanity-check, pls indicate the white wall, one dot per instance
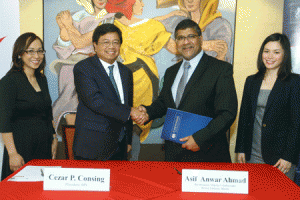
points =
(10, 29)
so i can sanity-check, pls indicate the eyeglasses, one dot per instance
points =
(107, 43)
(32, 52)
(189, 38)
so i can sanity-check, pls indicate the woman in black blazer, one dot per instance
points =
(268, 130)
(25, 106)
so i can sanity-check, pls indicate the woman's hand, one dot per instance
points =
(54, 147)
(16, 161)
(241, 157)
(283, 165)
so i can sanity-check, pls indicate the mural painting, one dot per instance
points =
(148, 48)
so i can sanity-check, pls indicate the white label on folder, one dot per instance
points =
(177, 123)
(215, 181)
(76, 179)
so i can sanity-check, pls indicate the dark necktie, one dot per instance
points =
(112, 79)
(182, 83)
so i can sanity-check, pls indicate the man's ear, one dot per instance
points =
(201, 40)
(94, 44)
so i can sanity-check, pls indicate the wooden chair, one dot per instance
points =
(68, 137)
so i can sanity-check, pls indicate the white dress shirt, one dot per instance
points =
(117, 77)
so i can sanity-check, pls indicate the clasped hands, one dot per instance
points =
(139, 115)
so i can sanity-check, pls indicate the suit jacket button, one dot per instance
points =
(264, 125)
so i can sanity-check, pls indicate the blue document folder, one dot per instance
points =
(180, 124)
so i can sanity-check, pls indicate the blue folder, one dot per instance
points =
(180, 124)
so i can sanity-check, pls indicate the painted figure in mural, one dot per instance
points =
(25, 106)
(142, 39)
(74, 44)
(216, 31)
(269, 122)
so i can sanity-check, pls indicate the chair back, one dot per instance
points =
(68, 137)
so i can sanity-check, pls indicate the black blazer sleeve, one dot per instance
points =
(8, 95)
(292, 145)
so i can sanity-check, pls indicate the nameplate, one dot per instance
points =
(215, 181)
(76, 179)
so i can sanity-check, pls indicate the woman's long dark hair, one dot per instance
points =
(286, 66)
(20, 46)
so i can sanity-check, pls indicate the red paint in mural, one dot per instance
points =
(2, 39)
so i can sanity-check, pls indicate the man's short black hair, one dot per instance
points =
(106, 28)
(188, 23)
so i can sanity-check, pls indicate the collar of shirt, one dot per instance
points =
(117, 77)
(106, 65)
(194, 63)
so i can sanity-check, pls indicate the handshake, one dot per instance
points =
(139, 115)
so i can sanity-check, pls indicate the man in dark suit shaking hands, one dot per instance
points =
(104, 86)
(202, 85)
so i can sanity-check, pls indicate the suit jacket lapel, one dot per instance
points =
(103, 75)
(272, 96)
(170, 82)
(200, 69)
(274, 93)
